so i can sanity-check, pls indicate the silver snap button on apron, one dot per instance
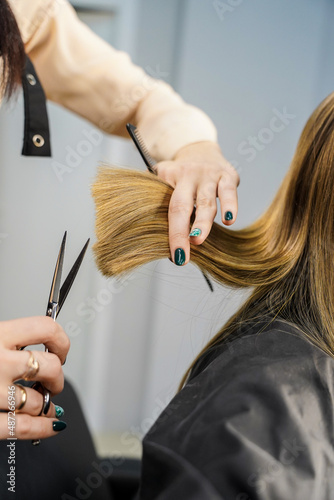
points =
(38, 141)
(31, 79)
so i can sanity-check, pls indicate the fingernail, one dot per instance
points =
(64, 361)
(228, 215)
(58, 425)
(196, 232)
(59, 411)
(179, 257)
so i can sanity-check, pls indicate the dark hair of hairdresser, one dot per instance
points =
(286, 256)
(11, 51)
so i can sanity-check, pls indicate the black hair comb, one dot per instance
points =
(140, 145)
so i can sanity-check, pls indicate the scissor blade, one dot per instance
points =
(55, 285)
(66, 287)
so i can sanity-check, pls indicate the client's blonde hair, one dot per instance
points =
(286, 255)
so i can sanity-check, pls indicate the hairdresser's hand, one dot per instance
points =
(199, 173)
(14, 364)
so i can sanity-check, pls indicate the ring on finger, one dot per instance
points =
(46, 397)
(33, 368)
(23, 396)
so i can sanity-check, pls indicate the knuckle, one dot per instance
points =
(179, 236)
(179, 207)
(58, 370)
(163, 169)
(51, 327)
(36, 404)
(236, 177)
(231, 176)
(206, 202)
(54, 366)
(23, 426)
(226, 178)
(188, 168)
(59, 384)
(67, 343)
(183, 166)
(63, 342)
(54, 329)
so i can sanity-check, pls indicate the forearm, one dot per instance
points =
(86, 75)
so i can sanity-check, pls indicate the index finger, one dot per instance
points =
(181, 206)
(21, 332)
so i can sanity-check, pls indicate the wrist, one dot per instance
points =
(199, 150)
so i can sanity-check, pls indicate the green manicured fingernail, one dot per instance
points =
(196, 232)
(59, 411)
(58, 425)
(228, 215)
(179, 257)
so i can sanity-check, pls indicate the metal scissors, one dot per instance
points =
(58, 294)
(56, 301)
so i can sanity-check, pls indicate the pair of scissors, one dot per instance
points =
(56, 301)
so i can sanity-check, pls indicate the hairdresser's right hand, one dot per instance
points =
(18, 333)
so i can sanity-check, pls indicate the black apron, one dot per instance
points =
(36, 141)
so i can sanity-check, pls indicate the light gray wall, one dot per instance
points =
(240, 66)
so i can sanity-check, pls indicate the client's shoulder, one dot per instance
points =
(275, 340)
(270, 331)
(270, 349)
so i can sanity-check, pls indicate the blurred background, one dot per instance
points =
(258, 69)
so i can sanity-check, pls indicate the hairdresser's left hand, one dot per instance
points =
(199, 173)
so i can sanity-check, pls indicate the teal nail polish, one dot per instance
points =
(59, 411)
(179, 257)
(196, 232)
(58, 425)
(228, 215)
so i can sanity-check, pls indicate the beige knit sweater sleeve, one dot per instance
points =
(86, 75)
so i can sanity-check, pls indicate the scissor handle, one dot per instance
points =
(52, 310)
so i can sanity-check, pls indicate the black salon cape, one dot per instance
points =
(255, 423)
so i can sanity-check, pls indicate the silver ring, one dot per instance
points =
(46, 397)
